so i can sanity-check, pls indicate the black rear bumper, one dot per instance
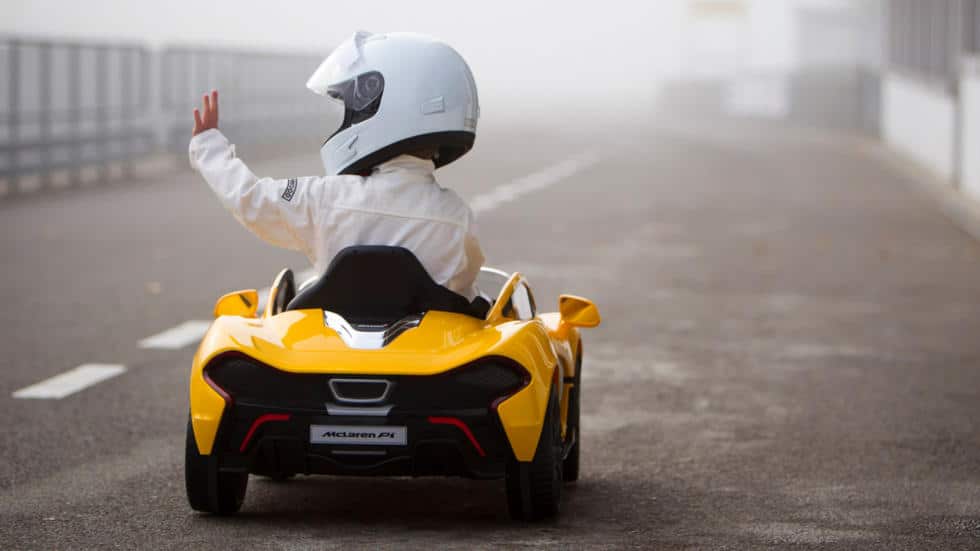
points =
(275, 442)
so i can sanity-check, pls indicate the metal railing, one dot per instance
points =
(71, 111)
(69, 105)
(928, 38)
(971, 20)
(262, 93)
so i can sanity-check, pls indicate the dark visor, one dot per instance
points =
(359, 92)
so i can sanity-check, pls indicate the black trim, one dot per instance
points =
(352, 90)
(283, 448)
(474, 385)
(290, 190)
(451, 146)
(372, 284)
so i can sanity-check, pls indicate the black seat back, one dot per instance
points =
(372, 284)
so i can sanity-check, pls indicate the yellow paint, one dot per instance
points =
(496, 313)
(300, 342)
(240, 303)
(207, 406)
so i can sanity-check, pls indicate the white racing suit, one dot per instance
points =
(399, 204)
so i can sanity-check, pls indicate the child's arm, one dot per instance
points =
(278, 211)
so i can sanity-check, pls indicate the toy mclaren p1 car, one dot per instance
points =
(374, 369)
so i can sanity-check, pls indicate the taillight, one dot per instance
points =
(458, 423)
(217, 388)
(498, 378)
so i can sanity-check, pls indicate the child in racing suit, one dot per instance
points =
(386, 194)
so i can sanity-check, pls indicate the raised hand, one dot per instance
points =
(209, 118)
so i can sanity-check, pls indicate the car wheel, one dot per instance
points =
(208, 490)
(534, 488)
(570, 465)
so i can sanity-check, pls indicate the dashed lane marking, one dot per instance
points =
(177, 337)
(535, 181)
(70, 382)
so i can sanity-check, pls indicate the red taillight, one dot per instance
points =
(218, 389)
(259, 422)
(525, 381)
(461, 426)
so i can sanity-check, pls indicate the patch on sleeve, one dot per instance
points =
(290, 189)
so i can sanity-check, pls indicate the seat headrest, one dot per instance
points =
(378, 284)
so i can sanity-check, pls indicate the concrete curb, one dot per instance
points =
(963, 211)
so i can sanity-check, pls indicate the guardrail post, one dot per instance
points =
(44, 117)
(126, 112)
(74, 114)
(149, 110)
(101, 112)
(13, 106)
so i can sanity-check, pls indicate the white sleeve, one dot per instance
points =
(465, 278)
(281, 212)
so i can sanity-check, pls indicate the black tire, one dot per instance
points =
(208, 490)
(534, 488)
(569, 468)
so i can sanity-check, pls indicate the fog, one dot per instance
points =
(571, 54)
(576, 65)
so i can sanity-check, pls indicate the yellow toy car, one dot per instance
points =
(374, 369)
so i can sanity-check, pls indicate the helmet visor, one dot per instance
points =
(360, 92)
(358, 99)
(338, 65)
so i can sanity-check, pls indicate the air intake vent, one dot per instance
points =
(360, 391)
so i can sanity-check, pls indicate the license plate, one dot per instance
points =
(359, 435)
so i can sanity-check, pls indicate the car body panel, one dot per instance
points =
(300, 342)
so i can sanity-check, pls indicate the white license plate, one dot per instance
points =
(359, 435)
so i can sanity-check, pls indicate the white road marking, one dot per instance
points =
(70, 382)
(177, 337)
(535, 181)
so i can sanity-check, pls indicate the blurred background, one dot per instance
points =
(754, 192)
(114, 80)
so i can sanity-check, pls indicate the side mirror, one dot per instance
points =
(578, 311)
(240, 303)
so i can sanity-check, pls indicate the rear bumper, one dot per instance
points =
(461, 442)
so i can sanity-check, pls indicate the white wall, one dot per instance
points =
(758, 96)
(920, 120)
(970, 144)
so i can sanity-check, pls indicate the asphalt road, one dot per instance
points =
(789, 355)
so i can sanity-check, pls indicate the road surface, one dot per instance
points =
(789, 356)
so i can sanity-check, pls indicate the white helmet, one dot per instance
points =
(401, 92)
